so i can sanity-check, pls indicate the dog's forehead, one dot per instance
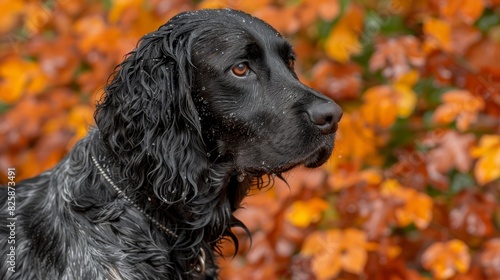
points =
(229, 23)
(228, 34)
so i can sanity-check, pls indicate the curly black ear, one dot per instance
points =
(147, 118)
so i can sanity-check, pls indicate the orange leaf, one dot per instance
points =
(416, 208)
(333, 250)
(285, 20)
(213, 4)
(18, 77)
(472, 213)
(311, 9)
(378, 108)
(451, 151)
(396, 56)
(459, 105)
(446, 259)
(38, 16)
(13, 80)
(355, 140)
(337, 81)
(438, 33)
(9, 14)
(80, 118)
(490, 258)
(383, 104)
(487, 167)
(342, 178)
(343, 40)
(118, 7)
(467, 10)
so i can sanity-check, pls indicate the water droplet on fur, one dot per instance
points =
(241, 177)
(203, 88)
(243, 20)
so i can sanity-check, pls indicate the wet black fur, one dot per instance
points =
(178, 131)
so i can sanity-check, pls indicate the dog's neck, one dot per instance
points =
(202, 220)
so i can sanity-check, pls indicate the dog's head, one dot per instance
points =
(209, 87)
(253, 108)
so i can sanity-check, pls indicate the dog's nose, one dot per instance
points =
(325, 116)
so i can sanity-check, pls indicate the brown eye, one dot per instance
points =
(291, 63)
(240, 70)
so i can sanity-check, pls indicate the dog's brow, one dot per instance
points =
(253, 51)
(286, 51)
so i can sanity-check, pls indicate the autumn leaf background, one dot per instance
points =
(412, 189)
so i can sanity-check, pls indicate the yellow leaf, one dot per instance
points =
(406, 100)
(487, 167)
(389, 187)
(446, 259)
(409, 78)
(303, 213)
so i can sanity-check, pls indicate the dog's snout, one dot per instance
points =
(325, 116)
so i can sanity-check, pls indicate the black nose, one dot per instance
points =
(325, 116)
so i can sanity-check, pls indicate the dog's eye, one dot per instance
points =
(241, 70)
(291, 64)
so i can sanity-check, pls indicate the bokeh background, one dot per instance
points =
(412, 190)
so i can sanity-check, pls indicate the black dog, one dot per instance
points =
(190, 121)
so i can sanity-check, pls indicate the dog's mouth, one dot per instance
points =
(319, 157)
(313, 160)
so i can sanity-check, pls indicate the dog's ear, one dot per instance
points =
(147, 118)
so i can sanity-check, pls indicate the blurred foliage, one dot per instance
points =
(412, 189)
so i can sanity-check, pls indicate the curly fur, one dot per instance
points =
(185, 139)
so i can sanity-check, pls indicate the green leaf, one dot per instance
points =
(460, 181)
(489, 19)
